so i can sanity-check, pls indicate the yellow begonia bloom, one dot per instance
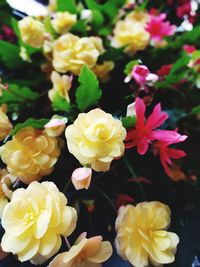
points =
(61, 85)
(6, 181)
(32, 32)
(34, 221)
(96, 138)
(70, 53)
(131, 33)
(102, 70)
(85, 253)
(31, 154)
(63, 21)
(142, 235)
(5, 125)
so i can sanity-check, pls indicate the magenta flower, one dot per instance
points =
(142, 75)
(158, 28)
(166, 153)
(144, 132)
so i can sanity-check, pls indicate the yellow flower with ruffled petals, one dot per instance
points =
(34, 221)
(131, 33)
(63, 21)
(142, 235)
(5, 125)
(95, 139)
(86, 252)
(32, 32)
(31, 154)
(70, 52)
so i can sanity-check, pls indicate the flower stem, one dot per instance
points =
(67, 242)
(131, 170)
(108, 199)
(66, 186)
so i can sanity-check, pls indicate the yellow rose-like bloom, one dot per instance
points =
(131, 33)
(31, 154)
(63, 21)
(102, 70)
(34, 221)
(96, 138)
(32, 32)
(5, 125)
(85, 253)
(70, 52)
(142, 235)
(61, 85)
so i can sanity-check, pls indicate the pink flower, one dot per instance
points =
(144, 130)
(189, 48)
(81, 178)
(166, 153)
(139, 73)
(158, 28)
(142, 75)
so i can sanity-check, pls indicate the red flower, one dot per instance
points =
(184, 9)
(166, 153)
(144, 130)
(164, 70)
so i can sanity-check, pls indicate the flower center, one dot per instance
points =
(29, 218)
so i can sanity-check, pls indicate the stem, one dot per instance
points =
(131, 170)
(108, 199)
(67, 242)
(66, 186)
(16, 183)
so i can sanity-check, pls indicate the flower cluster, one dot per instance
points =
(97, 99)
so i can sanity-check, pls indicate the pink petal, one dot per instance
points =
(157, 118)
(140, 109)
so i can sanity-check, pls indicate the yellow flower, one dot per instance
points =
(32, 32)
(131, 33)
(34, 221)
(85, 253)
(96, 138)
(31, 154)
(61, 85)
(6, 181)
(70, 53)
(138, 17)
(102, 70)
(63, 21)
(142, 235)
(5, 125)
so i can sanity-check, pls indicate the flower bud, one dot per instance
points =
(55, 126)
(63, 21)
(81, 178)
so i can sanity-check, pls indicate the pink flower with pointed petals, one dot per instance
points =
(166, 153)
(158, 28)
(143, 133)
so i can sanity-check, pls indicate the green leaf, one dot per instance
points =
(49, 28)
(97, 20)
(67, 5)
(129, 121)
(14, 93)
(35, 123)
(80, 27)
(9, 55)
(130, 65)
(178, 71)
(196, 55)
(196, 110)
(190, 37)
(60, 103)
(88, 93)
